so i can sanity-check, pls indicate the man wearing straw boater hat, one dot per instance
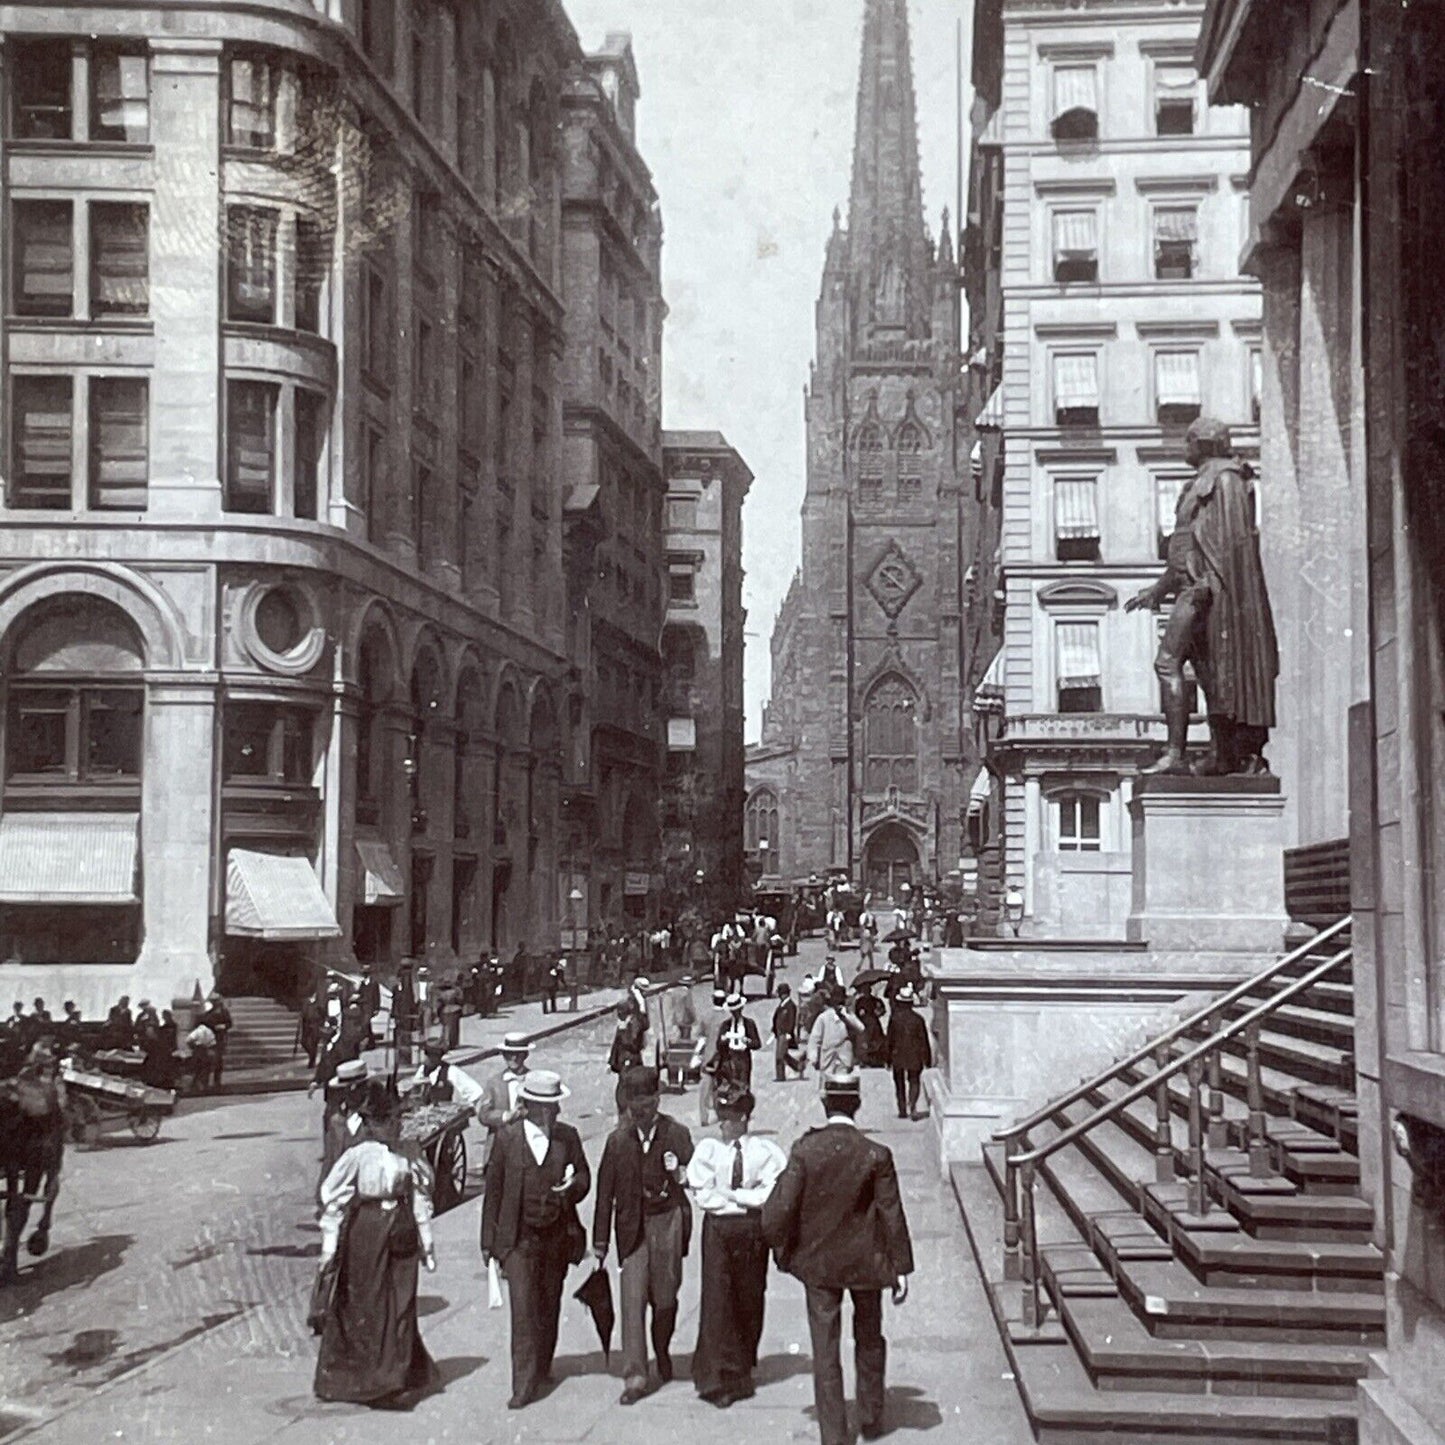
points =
(835, 1221)
(499, 1104)
(536, 1176)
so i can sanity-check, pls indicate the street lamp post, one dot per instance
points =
(573, 899)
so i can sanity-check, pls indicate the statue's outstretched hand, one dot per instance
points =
(1143, 598)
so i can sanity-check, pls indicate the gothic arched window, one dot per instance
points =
(870, 459)
(890, 737)
(760, 822)
(910, 460)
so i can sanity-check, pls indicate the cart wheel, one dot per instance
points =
(145, 1124)
(82, 1118)
(451, 1170)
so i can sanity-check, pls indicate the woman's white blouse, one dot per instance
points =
(370, 1170)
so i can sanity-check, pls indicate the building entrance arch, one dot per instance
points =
(890, 860)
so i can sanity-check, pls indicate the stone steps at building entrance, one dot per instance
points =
(1252, 1322)
(263, 1033)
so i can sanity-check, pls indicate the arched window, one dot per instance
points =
(760, 823)
(910, 460)
(890, 737)
(870, 460)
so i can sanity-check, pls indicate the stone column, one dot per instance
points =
(181, 864)
(338, 867)
(185, 236)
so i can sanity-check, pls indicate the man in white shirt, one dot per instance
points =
(730, 1178)
(443, 1082)
(499, 1102)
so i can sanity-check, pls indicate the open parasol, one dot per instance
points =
(867, 976)
(900, 935)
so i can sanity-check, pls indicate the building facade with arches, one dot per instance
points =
(862, 737)
(281, 596)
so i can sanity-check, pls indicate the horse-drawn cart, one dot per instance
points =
(97, 1102)
(437, 1133)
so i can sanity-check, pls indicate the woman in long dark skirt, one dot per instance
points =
(376, 1221)
(873, 1046)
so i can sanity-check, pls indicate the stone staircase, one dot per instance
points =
(1250, 1321)
(263, 1035)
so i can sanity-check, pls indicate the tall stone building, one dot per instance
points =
(613, 506)
(281, 572)
(863, 746)
(702, 649)
(1107, 310)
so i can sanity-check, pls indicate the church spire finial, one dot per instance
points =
(888, 236)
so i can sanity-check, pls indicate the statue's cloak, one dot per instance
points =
(1243, 652)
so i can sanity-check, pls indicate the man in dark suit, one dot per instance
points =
(640, 1191)
(835, 1221)
(910, 1051)
(536, 1176)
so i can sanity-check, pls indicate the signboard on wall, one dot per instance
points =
(636, 885)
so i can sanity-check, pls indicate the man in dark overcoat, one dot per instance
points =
(537, 1174)
(641, 1200)
(910, 1051)
(835, 1221)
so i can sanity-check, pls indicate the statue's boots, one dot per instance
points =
(1176, 718)
(1220, 760)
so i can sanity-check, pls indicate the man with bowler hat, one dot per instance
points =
(640, 1197)
(835, 1221)
(536, 1176)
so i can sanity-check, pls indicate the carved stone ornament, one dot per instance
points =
(893, 580)
(1421, 1145)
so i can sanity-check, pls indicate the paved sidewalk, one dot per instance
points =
(249, 1380)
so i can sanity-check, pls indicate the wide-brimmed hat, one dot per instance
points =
(515, 1043)
(542, 1086)
(353, 1071)
(734, 1002)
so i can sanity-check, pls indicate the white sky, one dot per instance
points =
(746, 120)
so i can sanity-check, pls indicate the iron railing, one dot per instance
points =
(1206, 1119)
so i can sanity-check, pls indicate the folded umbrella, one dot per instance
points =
(596, 1293)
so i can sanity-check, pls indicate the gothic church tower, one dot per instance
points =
(862, 739)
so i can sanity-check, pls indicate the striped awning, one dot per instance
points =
(1175, 77)
(991, 417)
(382, 878)
(988, 695)
(1075, 88)
(1076, 508)
(275, 898)
(76, 858)
(1076, 235)
(1076, 381)
(980, 793)
(975, 461)
(1078, 644)
(1168, 489)
(1176, 223)
(1176, 378)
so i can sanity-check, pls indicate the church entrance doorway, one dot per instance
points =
(890, 861)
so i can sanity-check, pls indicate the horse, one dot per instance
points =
(32, 1146)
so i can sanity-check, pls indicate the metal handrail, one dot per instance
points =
(1132, 1095)
(1200, 1016)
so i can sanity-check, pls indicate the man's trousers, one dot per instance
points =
(870, 1357)
(651, 1275)
(536, 1270)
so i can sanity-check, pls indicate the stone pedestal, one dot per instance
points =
(1208, 865)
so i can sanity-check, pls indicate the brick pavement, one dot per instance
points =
(249, 1380)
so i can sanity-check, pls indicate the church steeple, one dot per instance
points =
(887, 235)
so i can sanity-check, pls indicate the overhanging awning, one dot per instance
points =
(1075, 88)
(275, 898)
(1076, 235)
(1076, 381)
(975, 461)
(1078, 654)
(980, 793)
(1176, 223)
(1176, 378)
(988, 695)
(382, 879)
(991, 417)
(1076, 508)
(1169, 489)
(76, 858)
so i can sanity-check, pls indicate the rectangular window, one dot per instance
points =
(1176, 387)
(471, 402)
(681, 584)
(42, 281)
(119, 259)
(466, 527)
(376, 352)
(41, 426)
(423, 513)
(39, 78)
(1076, 519)
(251, 83)
(376, 32)
(372, 484)
(1167, 490)
(1079, 823)
(1076, 389)
(311, 428)
(120, 95)
(250, 446)
(682, 514)
(1079, 673)
(1176, 237)
(427, 233)
(420, 64)
(119, 443)
(424, 367)
(1174, 91)
(1076, 103)
(1076, 246)
(251, 264)
(266, 741)
(75, 734)
(313, 265)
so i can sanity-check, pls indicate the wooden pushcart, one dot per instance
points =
(437, 1134)
(97, 1102)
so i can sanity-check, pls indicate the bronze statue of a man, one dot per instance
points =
(1220, 621)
